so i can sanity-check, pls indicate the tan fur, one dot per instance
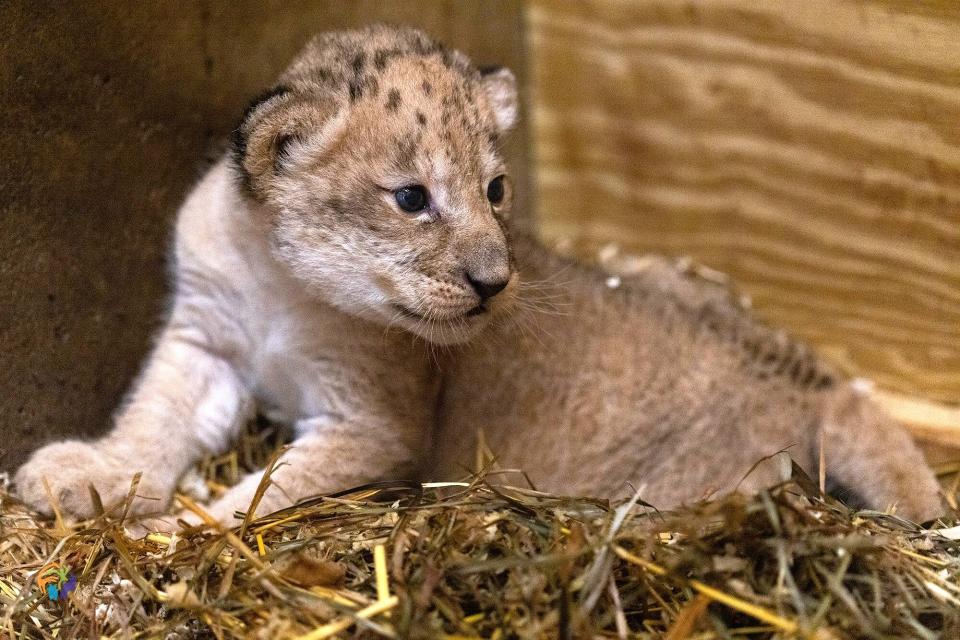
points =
(302, 289)
(665, 384)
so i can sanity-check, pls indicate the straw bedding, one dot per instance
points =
(479, 560)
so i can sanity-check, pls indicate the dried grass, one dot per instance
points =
(474, 559)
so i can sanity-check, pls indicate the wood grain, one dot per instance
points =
(929, 422)
(809, 148)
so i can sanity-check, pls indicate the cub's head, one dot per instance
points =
(376, 164)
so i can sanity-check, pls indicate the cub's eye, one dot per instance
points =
(495, 190)
(412, 198)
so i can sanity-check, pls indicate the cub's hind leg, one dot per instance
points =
(871, 454)
(188, 401)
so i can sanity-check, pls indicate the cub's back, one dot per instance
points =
(663, 381)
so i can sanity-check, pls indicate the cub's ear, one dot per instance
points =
(500, 86)
(249, 153)
(275, 131)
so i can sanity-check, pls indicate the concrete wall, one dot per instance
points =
(109, 112)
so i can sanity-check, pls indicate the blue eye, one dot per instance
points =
(411, 199)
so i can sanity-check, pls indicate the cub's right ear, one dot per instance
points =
(500, 87)
(273, 132)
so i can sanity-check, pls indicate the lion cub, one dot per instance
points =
(358, 224)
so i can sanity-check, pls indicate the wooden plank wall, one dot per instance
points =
(809, 148)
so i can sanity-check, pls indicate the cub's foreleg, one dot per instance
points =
(327, 456)
(188, 401)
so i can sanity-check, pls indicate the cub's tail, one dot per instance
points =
(872, 455)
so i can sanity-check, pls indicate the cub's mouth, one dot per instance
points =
(480, 309)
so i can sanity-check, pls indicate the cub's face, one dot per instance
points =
(387, 196)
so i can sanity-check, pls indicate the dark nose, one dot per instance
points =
(487, 290)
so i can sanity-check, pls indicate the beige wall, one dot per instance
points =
(108, 111)
(810, 148)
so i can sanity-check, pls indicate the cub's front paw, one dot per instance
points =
(71, 467)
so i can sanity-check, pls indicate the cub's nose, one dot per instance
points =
(487, 290)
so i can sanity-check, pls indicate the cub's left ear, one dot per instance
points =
(500, 85)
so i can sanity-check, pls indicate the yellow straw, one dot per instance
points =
(159, 538)
(380, 568)
(715, 594)
(343, 624)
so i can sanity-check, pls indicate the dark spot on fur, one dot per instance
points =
(393, 100)
(796, 370)
(356, 91)
(421, 118)
(359, 62)
(707, 317)
(786, 359)
(824, 382)
(337, 205)
(427, 88)
(324, 74)
(383, 56)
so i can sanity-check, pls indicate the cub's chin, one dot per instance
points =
(448, 327)
(448, 330)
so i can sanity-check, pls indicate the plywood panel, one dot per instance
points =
(809, 148)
